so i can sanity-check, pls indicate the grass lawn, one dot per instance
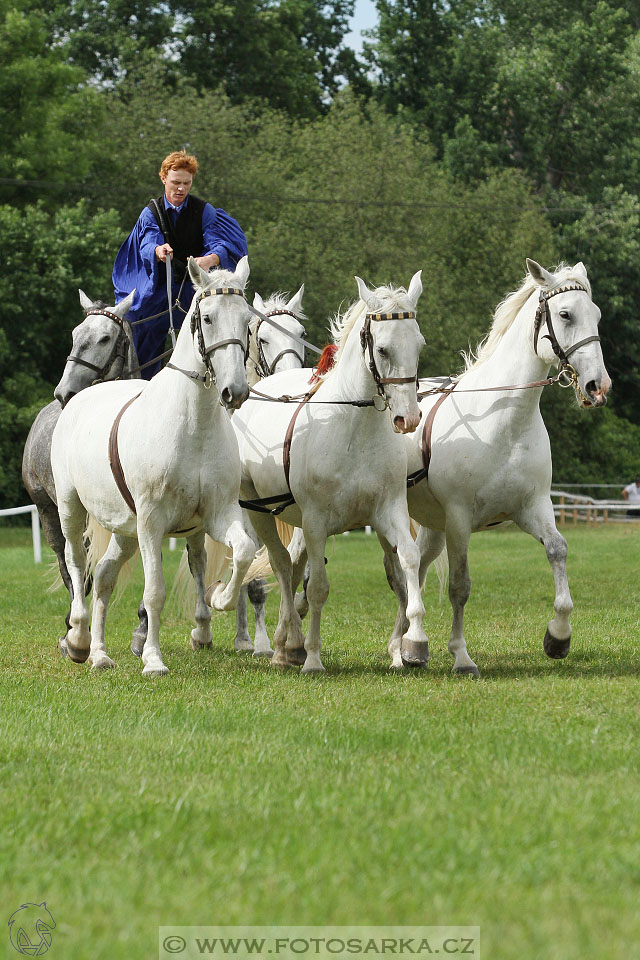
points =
(230, 793)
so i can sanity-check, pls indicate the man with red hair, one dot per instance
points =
(177, 225)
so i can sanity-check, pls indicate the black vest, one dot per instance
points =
(186, 237)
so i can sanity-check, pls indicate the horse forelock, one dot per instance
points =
(509, 308)
(96, 305)
(280, 301)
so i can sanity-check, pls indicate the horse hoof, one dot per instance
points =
(199, 644)
(466, 671)
(62, 647)
(313, 669)
(556, 649)
(137, 645)
(263, 653)
(76, 654)
(415, 653)
(296, 656)
(155, 670)
(243, 646)
(102, 662)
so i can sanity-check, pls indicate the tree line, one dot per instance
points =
(466, 137)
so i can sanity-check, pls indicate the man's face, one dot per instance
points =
(177, 184)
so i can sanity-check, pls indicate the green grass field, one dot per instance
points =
(230, 793)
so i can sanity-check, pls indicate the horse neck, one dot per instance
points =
(351, 378)
(514, 361)
(131, 370)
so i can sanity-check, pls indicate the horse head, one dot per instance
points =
(271, 350)
(392, 341)
(220, 329)
(102, 348)
(566, 331)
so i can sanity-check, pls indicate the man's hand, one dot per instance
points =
(166, 250)
(212, 260)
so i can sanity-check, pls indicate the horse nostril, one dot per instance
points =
(227, 397)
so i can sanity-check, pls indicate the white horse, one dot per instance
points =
(344, 464)
(157, 459)
(270, 351)
(488, 455)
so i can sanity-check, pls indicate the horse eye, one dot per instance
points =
(105, 339)
(382, 351)
(207, 319)
(565, 314)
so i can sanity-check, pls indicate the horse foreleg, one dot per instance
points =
(229, 528)
(300, 573)
(393, 527)
(120, 549)
(140, 633)
(539, 521)
(317, 591)
(459, 590)
(72, 521)
(50, 520)
(257, 591)
(154, 596)
(288, 639)
(197, 557)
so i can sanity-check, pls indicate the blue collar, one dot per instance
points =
(170, 206)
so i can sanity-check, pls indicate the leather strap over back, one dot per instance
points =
(114, 458)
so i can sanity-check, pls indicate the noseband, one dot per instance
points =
(263, 368)
(543, 315)
(205, 352)
(119, 350)
(366, 341)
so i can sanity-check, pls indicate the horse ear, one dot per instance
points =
(580, 269)
(258, 302)
(121, 309)
(85, 302)
(242, 270)
(539, 274)
(197, 274)
(415, 287)
(295, 304)
(363, 290)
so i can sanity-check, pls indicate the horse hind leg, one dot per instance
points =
(317, 592)
(459, 592)
(139, 635)
(197, 556)
(120, 549)
(257, 592)
(242, 641)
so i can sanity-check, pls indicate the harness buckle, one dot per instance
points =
(209, 379)
(380, 398)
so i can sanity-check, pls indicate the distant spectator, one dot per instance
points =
(632, 494)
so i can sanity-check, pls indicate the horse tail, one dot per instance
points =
(219, 559)
(285, 531)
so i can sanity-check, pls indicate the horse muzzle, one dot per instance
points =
(233, 397)
(407, 423)
(596, 395)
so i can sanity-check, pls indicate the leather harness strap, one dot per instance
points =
(425, 441)
(114, 458)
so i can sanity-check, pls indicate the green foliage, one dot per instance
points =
(45, 108)
(289, 53)
(47, 257)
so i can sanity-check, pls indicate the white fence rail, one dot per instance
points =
(572, 507)
(35, 527)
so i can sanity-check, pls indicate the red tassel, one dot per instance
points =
(325, 363)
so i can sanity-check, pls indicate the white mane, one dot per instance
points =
(509, 308)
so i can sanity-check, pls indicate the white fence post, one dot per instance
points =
(35, 527)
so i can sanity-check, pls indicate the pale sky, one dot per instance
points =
(365, 17)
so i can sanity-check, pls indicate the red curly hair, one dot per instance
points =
(179, 160)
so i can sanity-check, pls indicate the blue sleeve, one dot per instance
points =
(223, 235)
(135, 264)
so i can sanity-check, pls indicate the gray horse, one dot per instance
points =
(102, 350)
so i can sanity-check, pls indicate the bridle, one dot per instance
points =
(543, 315)
(119, 351)
(366, 341)
(263, 368)
(205, 352)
